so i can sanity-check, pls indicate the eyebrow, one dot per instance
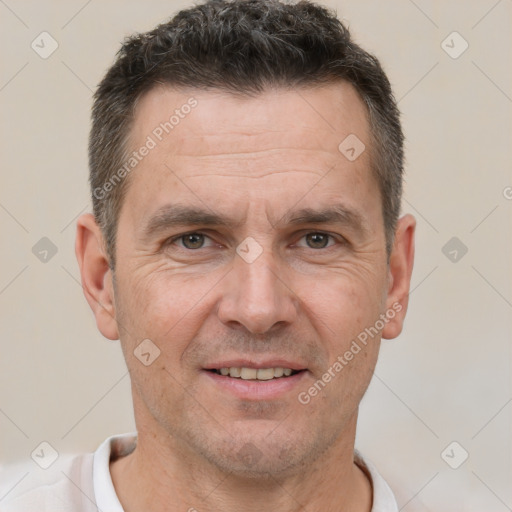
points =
(175, 215)
(336, 214)
(178, 215)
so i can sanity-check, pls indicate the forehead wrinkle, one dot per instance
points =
(262, 152)
(240, 175)
(240, 165)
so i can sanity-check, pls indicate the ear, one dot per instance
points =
(96, 275)
(400, 269)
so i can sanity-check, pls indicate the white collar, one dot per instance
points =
(121, 445)
(104, 492)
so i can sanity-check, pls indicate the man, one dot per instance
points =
(246, 249)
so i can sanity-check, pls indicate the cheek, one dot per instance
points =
(340, 313)
(343, 306)
(166, 308)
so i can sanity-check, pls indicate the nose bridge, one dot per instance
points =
(257, 299)
(258, 281)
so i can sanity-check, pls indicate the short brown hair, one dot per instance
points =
(243, 47)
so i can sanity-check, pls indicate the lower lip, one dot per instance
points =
(257, 389)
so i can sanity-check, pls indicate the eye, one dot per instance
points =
(191, 240)
(318, 240)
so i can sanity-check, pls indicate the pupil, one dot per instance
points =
(317, 240)
(193, 241)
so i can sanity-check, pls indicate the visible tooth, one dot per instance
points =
(278, 372)
(248, 373)
(265, 374)
(254, 373)
(235, 371)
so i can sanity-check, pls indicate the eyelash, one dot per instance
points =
(340, 240)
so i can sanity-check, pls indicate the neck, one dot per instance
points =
(163, 475)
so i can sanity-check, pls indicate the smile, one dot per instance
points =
(255, 373)
(246, 383)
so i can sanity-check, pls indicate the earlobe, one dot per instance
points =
(400, 269)
(96, 275)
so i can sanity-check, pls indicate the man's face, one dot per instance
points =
(261, 280)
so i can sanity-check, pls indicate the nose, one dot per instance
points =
(257, 296)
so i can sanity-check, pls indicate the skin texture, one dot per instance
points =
(254, 161)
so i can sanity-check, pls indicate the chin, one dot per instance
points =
(261, 457)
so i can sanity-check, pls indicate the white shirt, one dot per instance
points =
(84, 484)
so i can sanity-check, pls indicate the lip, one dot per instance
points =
(257, 390)
(246, 363)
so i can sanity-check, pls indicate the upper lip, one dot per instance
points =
(246, 363)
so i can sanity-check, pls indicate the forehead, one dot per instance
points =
(206, 140)
(304, 118)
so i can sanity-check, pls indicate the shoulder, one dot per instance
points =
(77, 483)
(66, 488)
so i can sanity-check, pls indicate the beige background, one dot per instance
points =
(447, 378)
